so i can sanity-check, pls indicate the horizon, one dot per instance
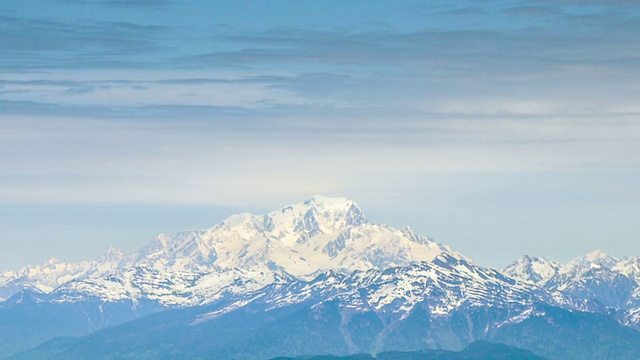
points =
(130, 252)
(500, 129)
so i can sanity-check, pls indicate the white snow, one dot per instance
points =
(311, 249)
(53, 273)
(595, 258)
(197, 266)
(534, 270)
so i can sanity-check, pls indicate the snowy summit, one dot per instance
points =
(299, 240)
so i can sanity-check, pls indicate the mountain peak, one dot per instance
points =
(319, 214)
(596, 257)
(53, 261)
(112, 255)
(319, 234)
(597, 254)
(536, 270)
(322, 201)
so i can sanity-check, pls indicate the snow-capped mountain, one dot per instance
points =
(319, 234)
(594, 278)
(594, 259)
(246, 252)
(629, 267)
(319, 260)
(446, 303)
(441, 285)
(532, 269)
(549, 274)
(391, 298)
(46, 277)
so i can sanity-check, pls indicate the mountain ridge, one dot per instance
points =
(302, 240)
(318, 259)
(600, 279)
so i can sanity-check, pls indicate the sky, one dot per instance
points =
(499, 128)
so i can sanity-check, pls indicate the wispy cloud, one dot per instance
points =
(472, 108)
(39, 44)
(288, 100)
(533, 11)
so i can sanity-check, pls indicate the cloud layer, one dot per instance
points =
(163, 103)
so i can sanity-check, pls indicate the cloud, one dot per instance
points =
(219, 163)
(37, 44)
(533, 11)
(435, 116)
(110, 111)
(457, 80)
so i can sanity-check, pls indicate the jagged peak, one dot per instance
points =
(411, 235)
(163, 239)
(113, 250)
(328, 202)
(326, 274)
(594, 258)
(160, 243)
(324, 204)
(450, 258)
(282, 276)
(52, 261)
(533, 269)
(316, 207)
(529, 260)
(318, 212)
(112, 255)
(597, 254)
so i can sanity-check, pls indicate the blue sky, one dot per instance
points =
(498, 127)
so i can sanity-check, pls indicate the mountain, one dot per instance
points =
(532, 269)
(629, 267)
(302, 239)
(444, 304)
(193, 266)
(311, 278)
(595, 280)
(242, 254)
(246, 252)
(28, 319)
(593, 259)
(53, 273)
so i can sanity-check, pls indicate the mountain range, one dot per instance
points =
(314, 278)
